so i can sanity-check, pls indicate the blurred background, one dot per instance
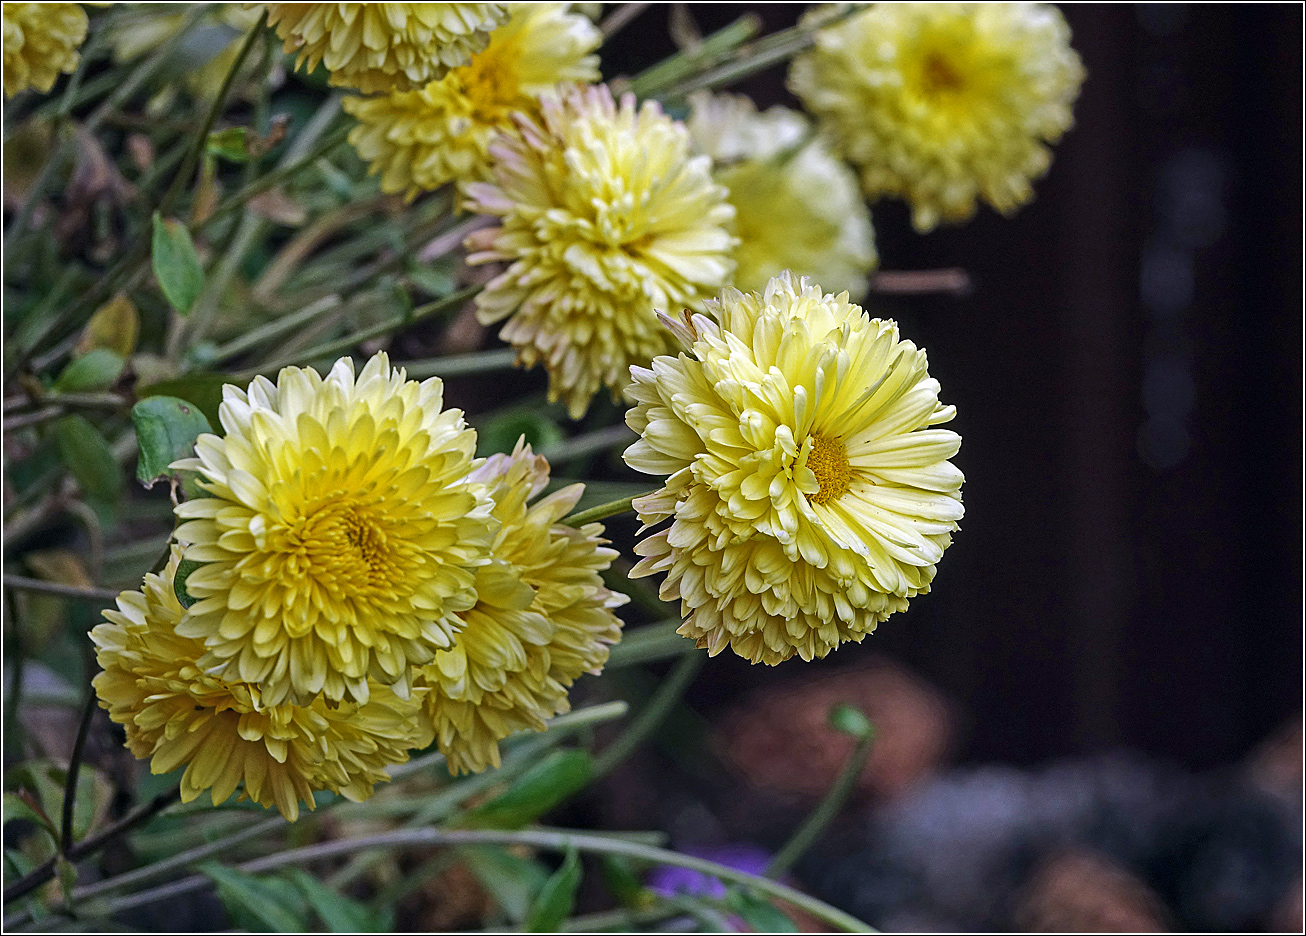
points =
(1118, 624)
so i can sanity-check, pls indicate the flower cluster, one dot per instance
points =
(797, 207)
(944, 103)
(809, 494)
(382, 47)
(351, 585)
(40, 44)
(604, 216)
(419, 140)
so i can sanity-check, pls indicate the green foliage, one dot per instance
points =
(535, 792)
(176, 264)
(97, 369)
(514, 882)
(760, 914)
(85, 453)
(166, 429)
(557, 897)
(259, 903)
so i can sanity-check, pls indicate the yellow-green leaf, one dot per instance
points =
(176, 265)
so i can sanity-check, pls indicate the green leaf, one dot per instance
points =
(761, 915)
(502, 432)
(851, 721)
(176, 265)
(340, 914)
(17, 806)
(624, 882)
(97, 369)
(256, 903)
(184, 568)
(535, 792)
(166, 428)
(557, 897)
(229, 144)
(88, 456)
(512, 881)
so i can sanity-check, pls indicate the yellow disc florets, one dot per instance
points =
(809, 495)
(341, 536)
(944, 103)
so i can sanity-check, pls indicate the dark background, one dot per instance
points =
(1127, 375)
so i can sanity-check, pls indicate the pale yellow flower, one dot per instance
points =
(40, 44)
(605, 216)
(810, 496)
(797, 207)
(341, 536)
(944, 103)
(542, 618)
(382, 47)
(419, 140)
(226, 734)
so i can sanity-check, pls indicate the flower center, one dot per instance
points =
(828, 460)
(343, 542)
(938, 76)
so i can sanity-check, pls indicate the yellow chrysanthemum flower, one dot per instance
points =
(605, 216)
(383, 47)
(542, 618)
(419, 140)
(176, 713)
(342, 535)
(797, 207)
(944, 103)
(809, 494)
(40, 44)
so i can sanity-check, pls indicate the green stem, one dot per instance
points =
(651, 81)
(651, 716)
(23, 583)
(182, 178)
(600, 440)
(275, 329)
(825, 812)
(331, 348)
(648, 643)
(558, 840)
(74, 768)
(461, 365)
(603, 511)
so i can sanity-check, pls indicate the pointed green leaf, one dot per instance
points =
(184, 569)
(557, 897)
(340, 914)
(512, 881)
(229, 144)
(166, 428)
(256, 903)
(97, 369)
(88, 456)
(535, 792)
(176, 265)
(760, 914)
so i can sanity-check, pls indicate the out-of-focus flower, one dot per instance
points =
(797, 207)
(605, 217)
(944, 103)
(40, 44)
(542, 618)
(810, 496)
(419, 140)
(175, 713)
(341, 536)
(670, 881)
(382, 47)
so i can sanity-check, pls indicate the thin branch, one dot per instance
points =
(655, 711)
(603, 511)
(618, 18)
(23, 583)
(74, 768)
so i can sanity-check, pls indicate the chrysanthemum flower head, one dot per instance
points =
(944, 103)
(419, 140)
(341, 536)
(542, 618)
(382, 47)
(175, 713)
(40, 44)
(809, 494)
(605, 215)
(797, 207)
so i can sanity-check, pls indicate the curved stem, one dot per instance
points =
(551, 839)
(651, 716)
(23, 583)
(603, 511)
(74, 768)
(825, 812)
